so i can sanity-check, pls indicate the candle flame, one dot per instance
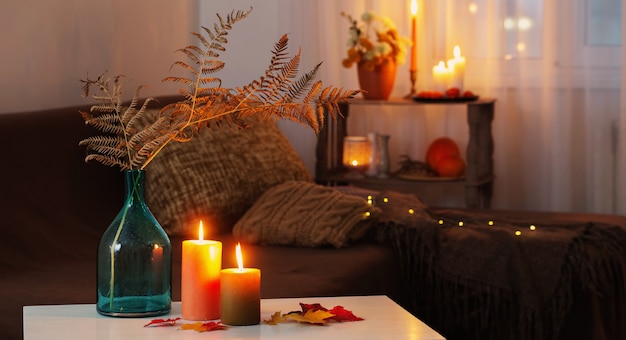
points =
(354, 162)
(200, 232)
(414, 7)
(473, 8)
(239, 257)
(457, 51)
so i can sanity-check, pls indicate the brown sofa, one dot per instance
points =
(472, 282)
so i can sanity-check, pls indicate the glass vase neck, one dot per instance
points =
(135, 184)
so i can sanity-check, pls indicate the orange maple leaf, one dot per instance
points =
(275, 319)
(204, 327)
(313, 317)
(315, 314)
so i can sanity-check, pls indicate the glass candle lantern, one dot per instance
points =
(356, 154)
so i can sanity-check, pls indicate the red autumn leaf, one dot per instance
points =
(161, 322)
(342, 314)
(214, 326)
(311, 307)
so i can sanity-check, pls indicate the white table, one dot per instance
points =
(384, 319)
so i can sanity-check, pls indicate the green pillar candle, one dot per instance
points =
(241, 296)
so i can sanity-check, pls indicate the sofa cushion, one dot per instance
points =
(218, 175)
(305, 214)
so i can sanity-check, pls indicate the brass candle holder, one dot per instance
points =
(413, 91)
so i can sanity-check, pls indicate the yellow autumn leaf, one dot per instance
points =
(275, 319)
(313, 317)
(197, 326)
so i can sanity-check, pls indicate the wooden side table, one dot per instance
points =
(479, 174)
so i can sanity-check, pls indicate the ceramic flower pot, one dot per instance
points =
(377, 82)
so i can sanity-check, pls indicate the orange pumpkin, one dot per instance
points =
(444, 157)
(450, 166)
(440, 148)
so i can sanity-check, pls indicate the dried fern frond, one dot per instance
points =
(278, 94)
(109, 117)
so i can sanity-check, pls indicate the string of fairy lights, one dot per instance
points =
(411, 211)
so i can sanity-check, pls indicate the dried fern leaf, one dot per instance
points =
(312, 93)
(300, 86)
(103, 107)
(212, 66)
(188, 67)
(106, 123)
(137, 117)
(108, 151)
(108, 161)
(207, 81)
(111, 141)
(130, 110)
(192, 53)
(149, 151)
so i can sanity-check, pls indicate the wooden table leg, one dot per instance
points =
(479, 182)
(329, 148)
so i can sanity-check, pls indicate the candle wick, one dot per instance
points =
(201, 232)
(239, 258)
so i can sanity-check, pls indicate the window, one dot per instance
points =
(523, 25)
(604, 23)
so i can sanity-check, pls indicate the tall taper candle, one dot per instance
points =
(414, 35)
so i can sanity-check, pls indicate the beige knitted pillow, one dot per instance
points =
(218, 175)
(305, 214)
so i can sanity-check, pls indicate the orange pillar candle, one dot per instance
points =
(241, 294)
(200, 279)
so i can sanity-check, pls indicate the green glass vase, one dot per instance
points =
(134, 259)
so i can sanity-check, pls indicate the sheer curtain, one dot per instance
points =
(553, 66)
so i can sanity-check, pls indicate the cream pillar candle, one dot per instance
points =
(241, 294)
(200, 286)
(441, 77)
(456, 67)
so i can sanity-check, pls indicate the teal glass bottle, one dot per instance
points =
(134, 259)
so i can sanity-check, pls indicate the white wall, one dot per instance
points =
(248, 54)
(48, 46)
(250, 42)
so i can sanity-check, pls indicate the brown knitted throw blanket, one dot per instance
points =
(485, 280)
